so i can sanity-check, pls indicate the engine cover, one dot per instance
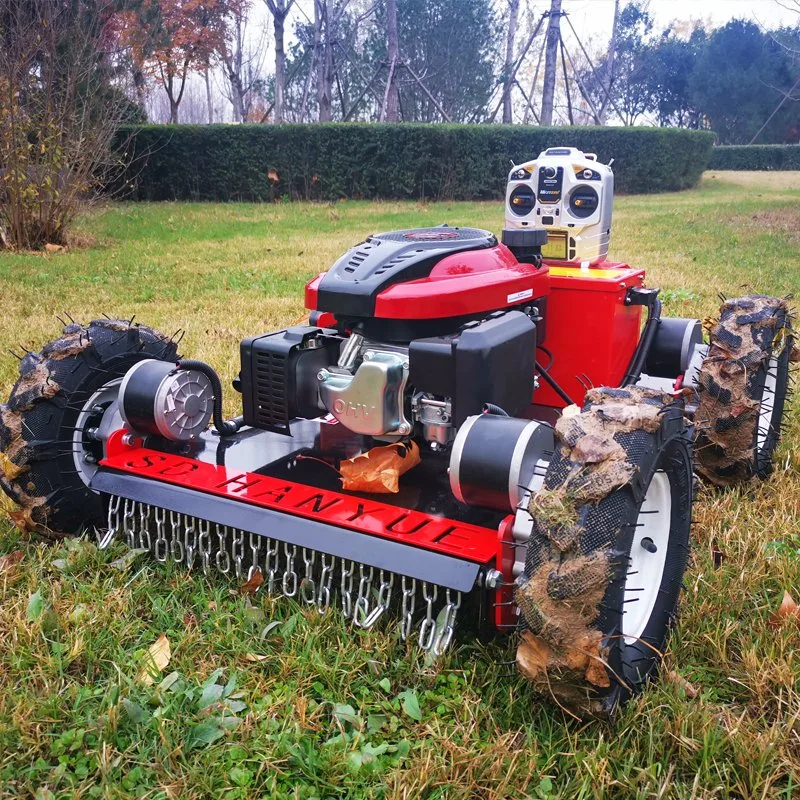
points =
(371, 400)
(350, 287)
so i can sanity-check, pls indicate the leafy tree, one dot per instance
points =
(169, 38)
(451, 47)
(619, 80)
(668, 66)
(738, 80)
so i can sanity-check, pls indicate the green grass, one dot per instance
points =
(330, 711)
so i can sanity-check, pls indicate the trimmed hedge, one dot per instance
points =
(335, 160)
(756, 157)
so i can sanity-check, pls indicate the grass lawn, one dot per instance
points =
(326, 710)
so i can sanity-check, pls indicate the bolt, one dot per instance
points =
(404, 428)
(98, 410)
(493, 579)
(92, 433)
(649, 545)
(129, 439)
(322, 374)
(369, 355)
(88, 458)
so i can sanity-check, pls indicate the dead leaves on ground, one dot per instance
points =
(252, 584)
(788, 611)
(156, 659)
(9, 562)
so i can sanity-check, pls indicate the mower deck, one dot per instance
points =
(294, 499)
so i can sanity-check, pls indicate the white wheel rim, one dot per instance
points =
(767, 407)
(646, 568)
(105, 394)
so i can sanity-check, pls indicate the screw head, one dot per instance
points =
(322, 374)
(404, 428)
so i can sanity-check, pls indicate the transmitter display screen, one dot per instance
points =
(556, 246)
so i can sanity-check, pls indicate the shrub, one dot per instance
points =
(756, 157)
(331, 161)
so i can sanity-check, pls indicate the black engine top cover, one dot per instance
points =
(350, 287)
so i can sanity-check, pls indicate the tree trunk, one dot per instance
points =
(391, 99)
(608, 77)
(280, 10)
(550, 61)
(508, 78)
(209, 99)
(280, 64)
(323, 45)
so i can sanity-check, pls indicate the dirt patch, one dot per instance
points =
(785, 221)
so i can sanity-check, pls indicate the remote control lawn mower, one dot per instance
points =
(467, 433)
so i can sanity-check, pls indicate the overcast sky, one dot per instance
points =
(593, 17)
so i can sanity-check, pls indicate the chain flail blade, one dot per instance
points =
(366, 594)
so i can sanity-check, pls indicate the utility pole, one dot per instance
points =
(508, 76)
(553, 37)
(608, 78)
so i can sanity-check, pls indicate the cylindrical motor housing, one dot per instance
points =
(156, 398)
(673, 346)
(495, 459)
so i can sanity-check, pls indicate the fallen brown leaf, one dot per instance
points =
(533, 656)
(682, 683)
(255, 657)
(250, 586)
(378, 470)
(789, 610)
(10, 560)
(157, 657)
(189, 620)
(23, 519)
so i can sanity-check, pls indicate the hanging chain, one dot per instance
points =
(325, 583)
(255, 555)
(449, 623)
(128, 525)
(409, 591)
(427, 628)
(289, 582)
(187, 540)
(361, 608)
(204, 545)
(308, 589)
(271, 565)
(346, 589)
(144, 526)
(162, 546)
(190, 545)
(222, 559)
(113, 523)
(175, 544)
(237, 551)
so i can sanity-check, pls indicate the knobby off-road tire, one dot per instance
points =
(56, 392)
(742, 387)
(608, 550)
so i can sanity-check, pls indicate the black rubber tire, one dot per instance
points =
(583, 568)
(732, 387)
(37, 423)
